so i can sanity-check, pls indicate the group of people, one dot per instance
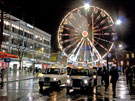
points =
(103, 78)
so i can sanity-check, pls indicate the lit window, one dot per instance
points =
(127, 63)
(133, 55)
(127, 55)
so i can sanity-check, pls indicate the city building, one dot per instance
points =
(122, 59)
(30, 44)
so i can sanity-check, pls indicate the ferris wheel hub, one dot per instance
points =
(84, 33)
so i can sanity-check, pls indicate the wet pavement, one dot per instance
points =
(28, 90)
(18, 75)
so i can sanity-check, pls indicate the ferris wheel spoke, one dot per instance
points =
(103, 40)
(76, 47)
(102, 29)
(104, 33)
(74, 26)
(95, 50)
(83, 23)
(79, 50)
(97, 19)
(91, 17)
(68, 40)
(86, 23)
(91, 53)
(101, 46)
(69, 46)
(80, 23)
(73, 30)
(74, 18)
(103, 21)
(73, 34)
(80, 20)
(106, 27)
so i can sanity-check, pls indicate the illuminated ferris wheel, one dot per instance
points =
(86, 35)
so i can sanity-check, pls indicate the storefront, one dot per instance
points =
(4, 57)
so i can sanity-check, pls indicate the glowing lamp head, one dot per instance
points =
(120, 45)
(86, 6)
(118, 22)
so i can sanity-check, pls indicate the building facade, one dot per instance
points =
(31, 44)
(123, 58)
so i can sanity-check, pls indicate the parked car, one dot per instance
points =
(80, 79)
(53, 77)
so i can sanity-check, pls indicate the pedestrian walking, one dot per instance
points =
(114, 78)
(106, 77)
(68, 70)
(130, 76)
(2, 72)
(133, 67)
(127, 74)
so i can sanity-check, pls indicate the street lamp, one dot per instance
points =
(118, 22)
(120, 45)
(86, 6)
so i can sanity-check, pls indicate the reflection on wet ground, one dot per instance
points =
(28, 90)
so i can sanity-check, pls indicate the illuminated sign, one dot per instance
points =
(53, 58)
(7, 59)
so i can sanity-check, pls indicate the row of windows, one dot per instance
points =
(20, 42)
(23, 33)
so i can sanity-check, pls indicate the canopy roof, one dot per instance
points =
(7, 55)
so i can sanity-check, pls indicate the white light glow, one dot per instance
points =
(85, 81)
(118, 22)
(68, 81)
(120, 45)
(42, 49)
(86, 6)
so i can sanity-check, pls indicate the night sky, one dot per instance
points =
(47, 15)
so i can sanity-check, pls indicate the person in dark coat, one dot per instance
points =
(68, 70)
(106, 77)
(133, 67)
(130, 78)
(127, 74)
(114, 78)
(2, 74)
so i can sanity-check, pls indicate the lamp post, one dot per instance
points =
(42, 51)
(118, 23)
